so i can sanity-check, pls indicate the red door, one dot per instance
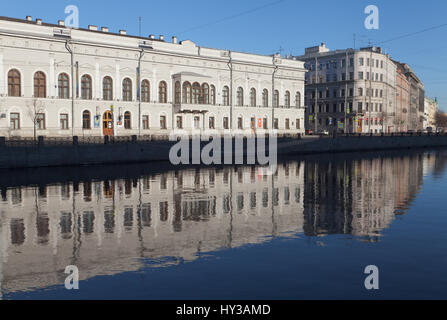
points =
(107, 123)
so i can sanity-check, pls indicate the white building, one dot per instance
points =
(183, 85)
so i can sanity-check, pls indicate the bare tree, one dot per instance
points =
(441, 119)
(35, 109)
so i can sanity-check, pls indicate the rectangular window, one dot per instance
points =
(212, 123)
(226, 123)
(145, 122)
(361, 61)
(179, 122)
(276, 124)
(298, 124)
(360, 75)
(64, 121)
(40, 121)
(360, 107)
(239, 123)
(287, 124)
(14, 121)
(163, 122)
(265, 124)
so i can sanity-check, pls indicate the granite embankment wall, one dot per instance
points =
(33, 156)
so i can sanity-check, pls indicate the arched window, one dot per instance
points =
(213, 95)
(178, 93)
(226, 96)
(127, 121)
(265, 98)
(287, 99)
(195, 93)
(86, 87)
(205, 94)
(107, 85)
(127, 89)
(240, 96)
(64, 86)
(276, 99)
(187, 92)
(298, 100)
(163, 92)
(145, 91)
(86, 120)
(40, 85)
(253, 97)
(14, 81)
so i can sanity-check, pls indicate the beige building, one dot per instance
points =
(92, 82)
(431, 108)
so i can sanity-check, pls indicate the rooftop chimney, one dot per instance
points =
(104, 29)
(162, 37)
(174, 39)
(124, 32)
(93, 28)
(61, 23)
(39, 21)
(151, 36)
(29, 18)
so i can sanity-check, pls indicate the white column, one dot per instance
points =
(155, 86)
(118, 92)
(3, 84)
(170, 88)
(53, 92)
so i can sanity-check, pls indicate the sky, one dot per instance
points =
(274, 26)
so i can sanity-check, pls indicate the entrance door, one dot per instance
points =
(196, 122)
(107, 123)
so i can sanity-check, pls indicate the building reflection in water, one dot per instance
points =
(105, 227)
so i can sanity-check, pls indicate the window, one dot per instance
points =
(14, 119)
(187, 92)
(40, 86)
(287, 124)
(86, 87)
(276, 124)
(361, 61)
(163, 122)
(298, 100)
(163, 92)
(253, 97)
(127, 89)
(14, 86)
(360, 75)
(145, 122)
(40, 121)
(64, 121)
(86, 122)
(213, 95)
(107, 85)
(205, 94)
(146, 91)
(226, 123)
(240, 96)
(63, 86)
(212, 123)
(179, 122)
(265, 123)
(253, 123)
(226, 96)
(265, 98)
(240, 124)
(360, 107)
(177, 93)
(287, 99)
(127, 120)
(276, 99)
(298, 124)
(196, 93)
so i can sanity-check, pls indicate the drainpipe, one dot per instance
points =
(230, 66)
(139, 91)
(273, 91)
(70, 50)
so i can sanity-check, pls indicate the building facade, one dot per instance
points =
(431, 109)
(56, 81)
(350, 90)
(402, 99)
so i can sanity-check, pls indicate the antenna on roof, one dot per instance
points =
(139, 26)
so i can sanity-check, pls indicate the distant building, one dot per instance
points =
(402, 99)
(431, 108)
(350, 90)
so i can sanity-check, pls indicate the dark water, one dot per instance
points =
(154, 232)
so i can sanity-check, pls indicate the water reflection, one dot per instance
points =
(105, 227)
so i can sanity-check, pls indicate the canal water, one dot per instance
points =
(151, 231)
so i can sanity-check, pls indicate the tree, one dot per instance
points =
(35, 109)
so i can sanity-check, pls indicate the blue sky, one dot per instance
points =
(290, 25)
